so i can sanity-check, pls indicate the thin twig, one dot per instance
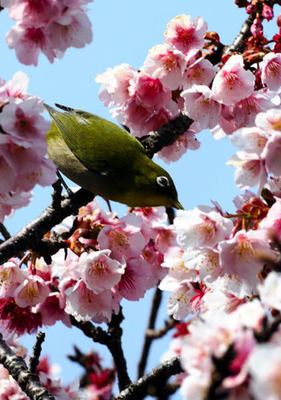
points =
(159, 333)
(156, 301)
(138, 390)
(28, 382)
(34, 359)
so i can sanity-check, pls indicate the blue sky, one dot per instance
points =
(124, 30)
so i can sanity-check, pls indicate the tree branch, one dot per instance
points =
(137, 390)
(239, 42)
(156, 301)
(159, 333)
(28, 382)
(30, 236)
(34, 359)
(4, 232)
(165, 135)
(112, 340)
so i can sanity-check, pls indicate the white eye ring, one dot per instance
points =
(163, 181)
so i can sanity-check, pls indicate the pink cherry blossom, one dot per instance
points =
(270, 121)
(149, 91)
(115, 83)
(198, 72)
(246, 110)
(271, 71)
(65, 266)
(167, 64)
(224, 294)
(31, 291)
(85, 305)
(11, 276)
(250, 140)
(270, 291)
(244, 256)
(199, 105)
(125, 240)
(52, 309)
(36, 13)
(10, 201)
(14, 89)
(99, 271)
(205, 261)
(201, 228)
(272, 155)
(73, 30)
(264, 369)
(179, 270)
(23, 123)
(185, 33)
(233, 83)
(250, 170)
(180, 301)
(136, 279)
(28, 42)
(271, 224)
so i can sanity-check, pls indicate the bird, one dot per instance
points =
(106, 160)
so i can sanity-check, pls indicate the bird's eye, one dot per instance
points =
(163, 181)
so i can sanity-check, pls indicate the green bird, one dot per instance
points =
(105, 159)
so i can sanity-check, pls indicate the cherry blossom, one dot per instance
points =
(244, 256)
(264, 367)
(50, 27)
(99, 271)
(233, 83)
(201, 228)
(186, 34)
(199, 105)
(271, 70)
(199, 71)
(250, 170)
(31, 292)
(167, 64)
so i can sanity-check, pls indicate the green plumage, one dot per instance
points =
(105, 159)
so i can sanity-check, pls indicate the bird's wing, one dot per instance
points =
(100, 145)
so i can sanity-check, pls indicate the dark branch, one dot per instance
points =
(159, 333)
(112, 340)
(156, 301)
(28, 382)
(115, 347)
(165, 135)
(30, 236)
(96, 333)
(34, 360)
(239, 42)
(4, 232)
(137, 390)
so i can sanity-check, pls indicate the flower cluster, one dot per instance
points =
(220, 259)
(235, 353)
(177, 77)
(107, 259)
(147, 98)
(47, 26)
(23, 147)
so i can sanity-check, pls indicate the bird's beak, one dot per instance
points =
(178, 205)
